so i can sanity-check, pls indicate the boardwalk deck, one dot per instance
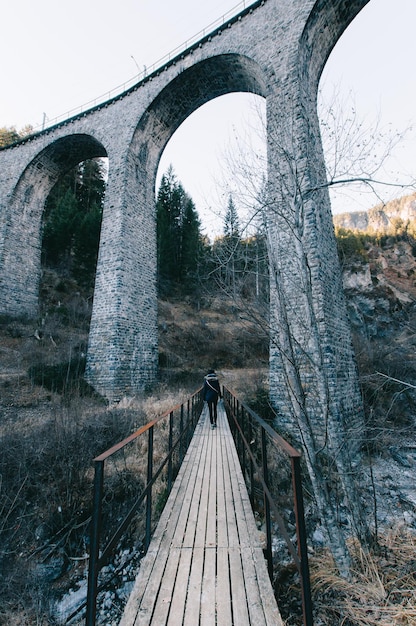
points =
(205, 563)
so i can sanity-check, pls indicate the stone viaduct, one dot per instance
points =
(276, 49)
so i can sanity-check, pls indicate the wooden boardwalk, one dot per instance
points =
(205, 563)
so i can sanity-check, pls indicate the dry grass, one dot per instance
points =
(382, 589)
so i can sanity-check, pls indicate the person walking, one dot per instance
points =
(211, 393)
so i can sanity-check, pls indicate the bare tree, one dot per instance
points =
(300, 346)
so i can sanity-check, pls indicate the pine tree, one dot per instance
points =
(227, 249)
(191, 241)
(72, 221)
(178, 234)
(231, 222)
(59, 229)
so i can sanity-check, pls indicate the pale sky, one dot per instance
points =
(59, 56)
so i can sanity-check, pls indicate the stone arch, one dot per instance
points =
(202, 82)
(326, 23)
(21, 254)
(126, 327)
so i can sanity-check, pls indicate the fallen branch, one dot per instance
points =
(396, 380)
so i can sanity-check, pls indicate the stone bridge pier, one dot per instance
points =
(276, 49)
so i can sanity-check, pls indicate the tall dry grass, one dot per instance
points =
(382, 588)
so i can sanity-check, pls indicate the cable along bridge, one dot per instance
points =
(206, 562)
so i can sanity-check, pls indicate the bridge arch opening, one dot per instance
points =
(26, 212)
(222, 275)
(190, 90)
(211, 152)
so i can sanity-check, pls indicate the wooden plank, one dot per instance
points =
(237, 487)
(177, 609)
(222, 530)
(201, 522)
(223, 591)
(208, 600)
(167, 583)
(261, 601)
(194, 510)
(271, 610)
(211, 532)
(233, 540)
(197, 469)
(254, 600)
(151, 574)
(193, 599)
(238, 594)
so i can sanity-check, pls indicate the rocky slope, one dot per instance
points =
(380, 218)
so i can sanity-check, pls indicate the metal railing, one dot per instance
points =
(258, 447)
(126, 86)
(181, 422)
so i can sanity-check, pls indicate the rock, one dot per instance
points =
(318, 537)
(399, 457)
(53, 569)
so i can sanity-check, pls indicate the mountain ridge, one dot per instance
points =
(382, 218)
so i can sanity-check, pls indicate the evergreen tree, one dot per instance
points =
(59, 229)
(72, 221)
(86, 244)
(178, 234)
(191, 241)
(231, 222)
(168, 226)
(227, 250)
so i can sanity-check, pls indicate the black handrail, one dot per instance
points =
(242, 422)
(188, 414)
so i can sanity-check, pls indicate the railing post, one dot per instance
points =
(170, 452)
(181, 453)
(251, 471)
(189, 412)
(302, 545)
(93, 568)
(243, 448)
(267, 505)
(240, 440)
(149, 494)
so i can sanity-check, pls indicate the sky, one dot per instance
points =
(57, 57)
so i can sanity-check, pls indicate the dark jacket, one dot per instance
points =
(212, 389)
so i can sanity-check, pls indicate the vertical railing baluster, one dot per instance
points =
(181, 452)
(251, 471)
(302, 545)
(243, 448)
(149, 493)
(93, 569)
(267, 505)
(188, 417)
(170, 461)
